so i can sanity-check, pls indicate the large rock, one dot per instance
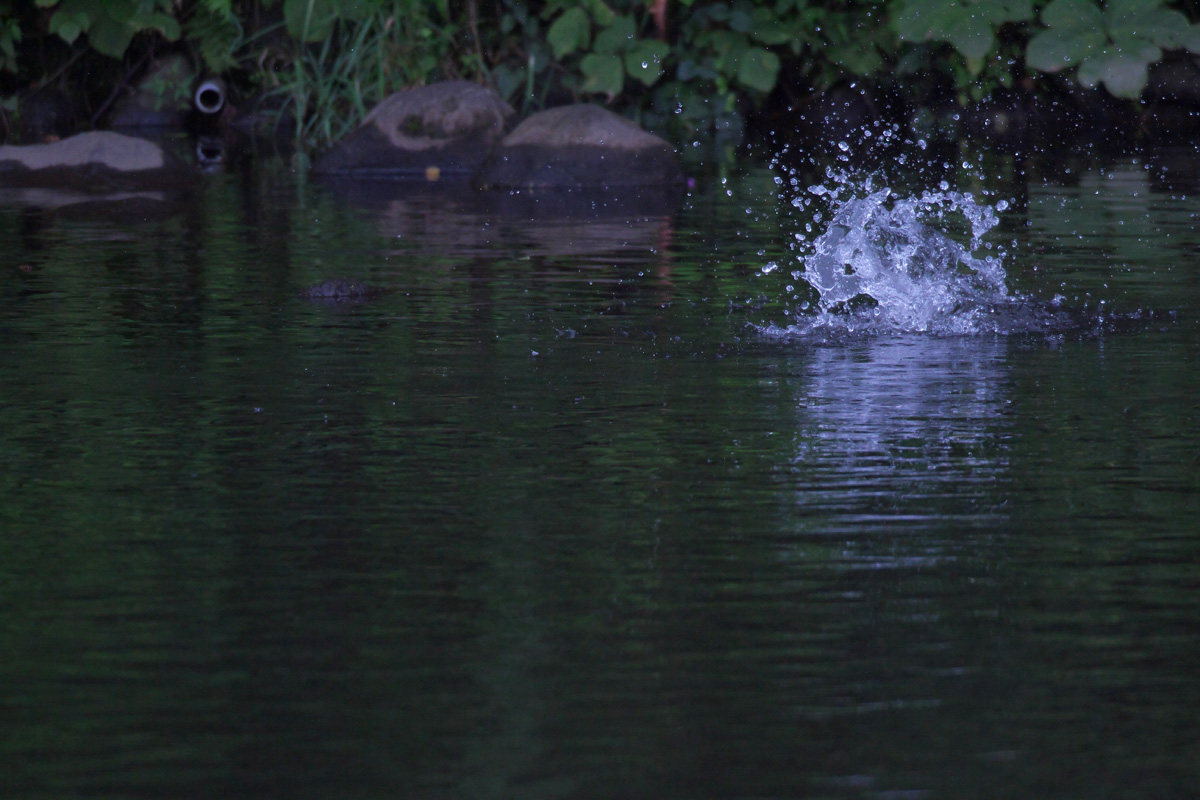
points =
(93, 161)
(580, 146)
(446, 129)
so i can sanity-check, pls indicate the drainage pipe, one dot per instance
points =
(210, 96)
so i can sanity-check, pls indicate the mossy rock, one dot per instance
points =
(92, 162)
(442, 130)
(581, 146)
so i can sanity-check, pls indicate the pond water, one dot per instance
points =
(584, 506)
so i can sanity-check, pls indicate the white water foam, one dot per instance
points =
(887, 263)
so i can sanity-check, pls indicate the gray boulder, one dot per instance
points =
(580, 146)
(445, 129)
(93, 161)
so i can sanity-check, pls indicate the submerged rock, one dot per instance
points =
(90, 162)
(342, 290)
(445, 129)
(581, 146)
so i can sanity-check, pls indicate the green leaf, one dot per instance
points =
(970, 35)
(718, 12)
(121, 11)
(1053, 50)
(69, 24)
(1125, 8)
(1156, 25)
(769, 29)
(741, 21)
(758, 69)
(856, 58)
(570, 32)
(110, 37)
(165, 24)
(689, 68)
(644, 60)
(998, 12)
(508, 80)
(914, 21)
(1123, 74)
(216, 35)
(1189, 38)
(617, 37)
(603, 74)
(968, 28)
(1073, 15)
(602, 14)
(728, 46)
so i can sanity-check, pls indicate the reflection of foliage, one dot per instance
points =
(1115, 208)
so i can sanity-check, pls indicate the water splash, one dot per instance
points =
(918, 278)
(901, 264)
(886, 262)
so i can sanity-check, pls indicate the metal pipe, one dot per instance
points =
(210, 96)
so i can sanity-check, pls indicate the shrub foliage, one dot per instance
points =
(688, 68)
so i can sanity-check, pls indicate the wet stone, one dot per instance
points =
(581, 146)
(444, 130)
(92, 161)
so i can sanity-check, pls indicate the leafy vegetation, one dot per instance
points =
(110, 25)
(1114, 45)
(687, 68)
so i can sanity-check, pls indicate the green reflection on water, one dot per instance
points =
(550, 520)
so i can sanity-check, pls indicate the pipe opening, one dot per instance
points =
(210, 96)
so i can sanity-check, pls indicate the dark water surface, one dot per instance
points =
(551, 519)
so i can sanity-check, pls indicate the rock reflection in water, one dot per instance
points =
(456, 219)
